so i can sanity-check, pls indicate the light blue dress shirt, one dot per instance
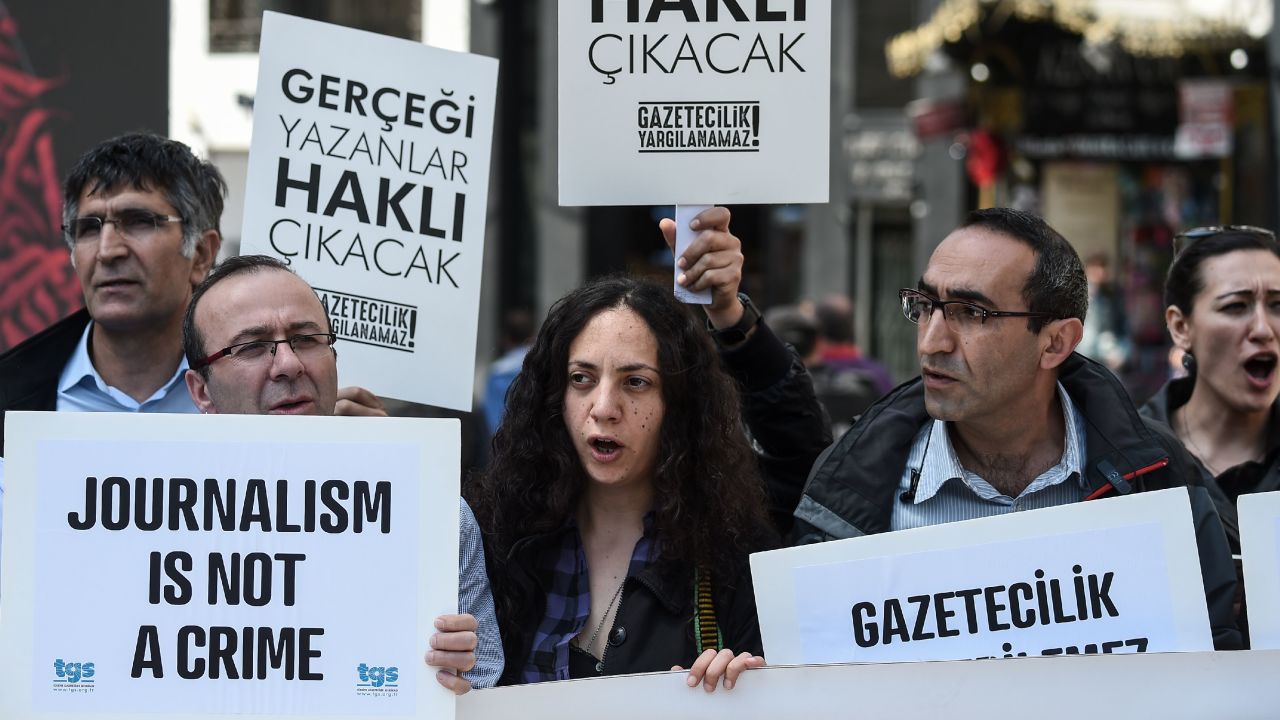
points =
(947, 492)
(475, 597)
(82, 389)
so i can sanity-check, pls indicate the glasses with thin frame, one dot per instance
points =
(1186, 238)
(132, 224)
(961, 315)
(253, 352)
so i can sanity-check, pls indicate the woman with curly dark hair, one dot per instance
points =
(624, 498)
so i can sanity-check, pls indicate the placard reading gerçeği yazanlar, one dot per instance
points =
(369, 174)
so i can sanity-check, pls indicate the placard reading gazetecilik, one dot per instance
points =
(708, 126)
(370, 321)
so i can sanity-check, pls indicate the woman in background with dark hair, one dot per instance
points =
(624, 497)
(1223, 298)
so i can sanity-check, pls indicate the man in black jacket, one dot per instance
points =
(1006, 417)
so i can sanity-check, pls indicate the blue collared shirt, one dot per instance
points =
(82, 389)
(476, 598)
(947, 492)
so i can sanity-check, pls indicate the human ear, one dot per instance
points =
(1179, 327)
(198, 387)
(206, 253)
(1061, 338)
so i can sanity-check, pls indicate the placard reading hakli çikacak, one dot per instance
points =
(226, 565)
(1054, 581)
(691, 102)
(369, 175)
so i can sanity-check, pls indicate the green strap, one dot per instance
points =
(706, 631)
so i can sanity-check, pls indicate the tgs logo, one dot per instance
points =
(74, 672)
(378, 676)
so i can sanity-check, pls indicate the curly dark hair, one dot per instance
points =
(709, 500)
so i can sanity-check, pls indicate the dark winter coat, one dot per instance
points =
(854, 485)
(29, 372)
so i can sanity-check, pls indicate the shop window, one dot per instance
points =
(236, 25)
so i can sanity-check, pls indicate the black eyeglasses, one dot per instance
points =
(132, 224)
(304, 346)
(1186, 238)
(961, 315)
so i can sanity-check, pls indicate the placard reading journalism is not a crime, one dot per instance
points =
(694, 102)
(369, 175)
(225, 566)
(1120, 575)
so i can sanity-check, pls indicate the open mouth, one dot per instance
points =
(1260, 367)
(604, 447)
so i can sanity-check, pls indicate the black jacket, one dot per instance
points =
(854, 485)
(653, 627)
(29, 372)
(787, 425)
(1174, 395)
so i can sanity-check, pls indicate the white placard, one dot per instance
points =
(1168, 686)
(692, 102)
(126, 594)
(369, 174)
(1055, 581)
(1260, 553)
(684, 238)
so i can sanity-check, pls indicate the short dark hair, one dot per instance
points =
(192, 342)
(792, 326)
(835, 320)
(1057, 285)
(145, 161)
(1185, 280)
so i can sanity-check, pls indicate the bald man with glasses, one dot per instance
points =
(1005, 416)
(259, 343)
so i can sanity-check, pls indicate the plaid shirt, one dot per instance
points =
(569, 602)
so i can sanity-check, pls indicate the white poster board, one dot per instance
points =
(369, 175)
(186, 566)
(1168, 686)
(1260, 554)
(1120, 575)
(694, 103)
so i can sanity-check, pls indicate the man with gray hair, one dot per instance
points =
(140, 217)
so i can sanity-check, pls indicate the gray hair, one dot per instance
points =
(145, 161)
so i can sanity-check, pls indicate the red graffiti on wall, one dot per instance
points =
(37, 284)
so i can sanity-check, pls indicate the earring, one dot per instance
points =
(1189, 362)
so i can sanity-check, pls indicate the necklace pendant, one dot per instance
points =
(600, 667)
